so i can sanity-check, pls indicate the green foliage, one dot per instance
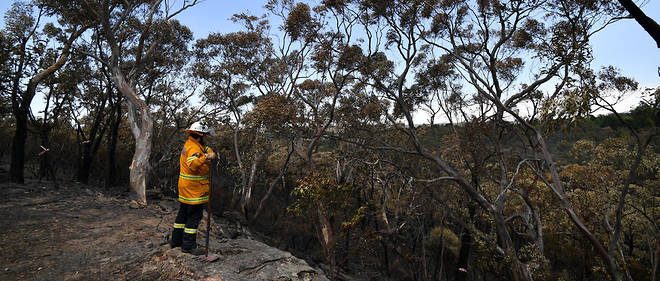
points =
(278, 114)
(443, 237)
(319, 188)
(360, 215)
(19, 21)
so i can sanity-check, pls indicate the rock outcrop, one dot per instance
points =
(240, 259)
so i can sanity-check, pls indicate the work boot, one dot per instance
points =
(177, 238)
(189, 241)
(193, 251)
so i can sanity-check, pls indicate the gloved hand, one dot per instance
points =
(210, 154)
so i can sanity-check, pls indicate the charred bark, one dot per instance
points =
(273, 183)
(649, 25)
(21, 102)
(90, 144)
(466, 248)
(111, 165)
(18, 148)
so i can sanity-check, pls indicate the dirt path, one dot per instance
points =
(75, 234)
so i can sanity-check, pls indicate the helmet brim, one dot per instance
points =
(211, 133)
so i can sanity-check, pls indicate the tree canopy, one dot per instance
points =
(397, 140)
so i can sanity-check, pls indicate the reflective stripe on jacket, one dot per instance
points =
(193, 173)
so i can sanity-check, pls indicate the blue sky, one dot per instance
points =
(627, 46)
(624, 44)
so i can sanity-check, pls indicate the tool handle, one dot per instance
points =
(208, 208)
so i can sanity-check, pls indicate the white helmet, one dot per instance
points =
(201, 127)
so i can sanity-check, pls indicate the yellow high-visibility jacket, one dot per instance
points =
(194, 173)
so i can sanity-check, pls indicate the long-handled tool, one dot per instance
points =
(209, 257)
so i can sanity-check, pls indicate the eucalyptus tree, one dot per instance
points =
(31, 39)
(401, 75)
(88, 112)
(490, 45)
(234, 67)
(5, 96)
(252, 76)
(5, 70)
(329, 71)
(58, 99)
(136, 37)
(174, 99)
(607, 88)
(115, 101)
(287, 66)
(169, 90)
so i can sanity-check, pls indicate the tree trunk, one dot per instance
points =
(43, 163)
(139, 117)
(246, 197)
(326, 235)
(111, 168)
(22, 108)
(18, 147)
(280, 175)
(463, 256)
(519, 271)
(46, 169)
(140, 165)
(656, 256)
(440, 262)
(651, 27)
(237, 193)
(91, 145)
(386, 258)
(538, 231)
(21, 111)
(85, 163)
(558, 190)
(44, 132)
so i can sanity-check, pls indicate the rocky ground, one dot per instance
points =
(76, 233)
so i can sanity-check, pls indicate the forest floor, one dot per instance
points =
(77, 233)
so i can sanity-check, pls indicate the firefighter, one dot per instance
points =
(194, 165)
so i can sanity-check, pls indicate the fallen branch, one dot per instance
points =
(259, 266)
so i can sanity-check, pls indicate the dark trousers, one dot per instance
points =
(185, 226)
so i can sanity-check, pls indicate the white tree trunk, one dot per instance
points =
(326, 234)
(142, 124)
